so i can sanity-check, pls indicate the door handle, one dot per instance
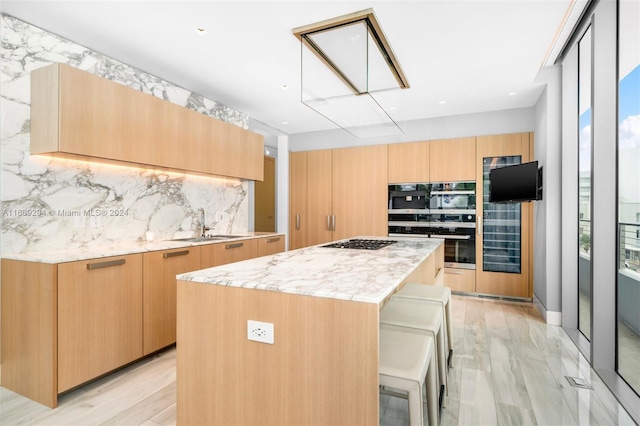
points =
(107, 264)
(298, 222)
(175, 254)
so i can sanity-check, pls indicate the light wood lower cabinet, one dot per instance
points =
(463, 280)
(99, 317)
(227, 252)
(67, 323)
(270, 245)
(159, 294)
(30, 329)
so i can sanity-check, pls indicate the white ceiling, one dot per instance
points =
(469, 53)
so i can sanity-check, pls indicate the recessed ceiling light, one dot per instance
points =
(284, 87)
(201, 31)
(393, 108)
(442, 102)
(285, 122)
(512, 93)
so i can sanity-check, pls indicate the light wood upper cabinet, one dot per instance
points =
(159, 293)
(409, 162)
(99, 317)
(298, 220)
(452, 160)
(75, 113)
(360, 191)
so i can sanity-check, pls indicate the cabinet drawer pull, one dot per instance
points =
(273, 240)
(232, 246)
(107, 264)
(452, 272)
(175, 254)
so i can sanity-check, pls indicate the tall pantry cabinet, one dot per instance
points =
(504, 245)
(337, 194)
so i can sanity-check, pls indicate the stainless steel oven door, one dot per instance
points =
(459, 246)
(453, 196)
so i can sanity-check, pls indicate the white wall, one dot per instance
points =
(547, 286)
(485, 123)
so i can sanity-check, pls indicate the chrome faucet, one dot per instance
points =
(203, 227)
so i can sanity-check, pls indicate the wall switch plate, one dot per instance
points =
(260, 331)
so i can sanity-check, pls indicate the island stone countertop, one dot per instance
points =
(97, 251)
(347, 274)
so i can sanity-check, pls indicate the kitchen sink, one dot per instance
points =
(207, 238)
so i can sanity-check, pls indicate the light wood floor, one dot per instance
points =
(509, 368)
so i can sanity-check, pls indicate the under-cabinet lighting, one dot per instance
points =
(114, 166)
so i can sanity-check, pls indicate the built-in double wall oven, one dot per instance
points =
(444, 210)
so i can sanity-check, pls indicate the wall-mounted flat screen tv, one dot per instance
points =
(514, 184)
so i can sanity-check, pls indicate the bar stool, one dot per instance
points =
(407, 363)
(415, 316)
(436, 294)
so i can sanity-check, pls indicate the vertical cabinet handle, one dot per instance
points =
(333, 226)
(479, 226)
(328, 222)
(298, 222)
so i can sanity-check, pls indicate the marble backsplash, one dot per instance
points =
(50, 203)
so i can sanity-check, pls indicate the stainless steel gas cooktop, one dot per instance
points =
(361, 244)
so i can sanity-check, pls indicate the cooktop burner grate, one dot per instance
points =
(361, 244)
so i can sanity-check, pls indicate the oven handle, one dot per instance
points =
(451, 237)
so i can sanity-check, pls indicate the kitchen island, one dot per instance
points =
(322, 367)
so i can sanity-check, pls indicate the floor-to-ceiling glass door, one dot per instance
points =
(628, 280)
(585, 184)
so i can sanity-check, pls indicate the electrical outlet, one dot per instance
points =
(260, 331)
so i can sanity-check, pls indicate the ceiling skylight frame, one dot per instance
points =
(367, 17)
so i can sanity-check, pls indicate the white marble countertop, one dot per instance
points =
(358, 275)
(121, 249)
